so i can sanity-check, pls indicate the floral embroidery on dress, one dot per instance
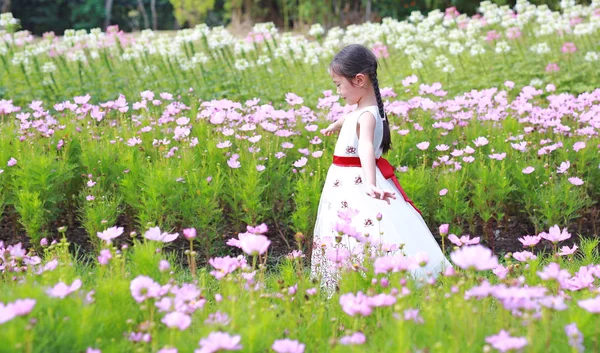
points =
(344, 204)
(368, 222)
(336, 183)
(357, 180)
(351, 150)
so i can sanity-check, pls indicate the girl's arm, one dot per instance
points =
(365, 131)
(335, 126)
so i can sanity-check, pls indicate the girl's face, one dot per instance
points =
(349, 90)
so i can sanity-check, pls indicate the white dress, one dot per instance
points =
(343, 191)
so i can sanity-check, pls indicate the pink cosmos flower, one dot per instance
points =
(287, 346)
(577, 146)
(253, 244)
(19, 307)
(553, 271)
(409, 80)
(166, 350)
(423, 145)
(82, 99)
(11, 162)
(189, 233)
(301, 162)
(382, 299)
(528, 170)
(177, 320)
(463, 240)
(105, 256)
(504, 342)
(293, 99)
(443, 192)
(155, 234)
(575, 337)
(50, 265)
(219, 341)
(444, 228)
(396, 263)
(492, 36)
(355, 338)
(110, 233)
(233, 162)
(225, 265)
(564, 166)
(413, 315)
(317, 154)
(530, 240)
(143, 288)
(224, 144)
(304, 151)
(575, 181)
(480, 141)
(259, 229)
(498, 156)
(565, 250)
(555, 235)
(552, 67)
(217, 318)
(500, 271)
(338, 255)
(524, 256)
(590, 305)
(380, 50)
(164, 265)
(61, 290)
(356, 304)
(475, 257)
(139, 337)
(6, 313)
(568, 48)
(513, 33)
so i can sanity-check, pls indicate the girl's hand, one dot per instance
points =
(331, 129)
(380, 194)
(334, 127)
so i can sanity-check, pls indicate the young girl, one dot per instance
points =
(360, 201)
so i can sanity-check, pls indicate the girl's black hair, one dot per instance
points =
(356, 59)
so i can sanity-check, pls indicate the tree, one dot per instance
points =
(108, 11)
(142, 10)
(5, 6)
(153, 12)
(191, 12)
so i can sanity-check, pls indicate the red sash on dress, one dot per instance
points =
(384, 166)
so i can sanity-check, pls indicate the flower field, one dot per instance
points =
(525, 44)
(151, 186)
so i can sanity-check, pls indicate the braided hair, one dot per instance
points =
(357, 59)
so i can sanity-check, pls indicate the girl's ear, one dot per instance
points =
(359, 80)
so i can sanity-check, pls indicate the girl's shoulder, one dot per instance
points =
(371, 109)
